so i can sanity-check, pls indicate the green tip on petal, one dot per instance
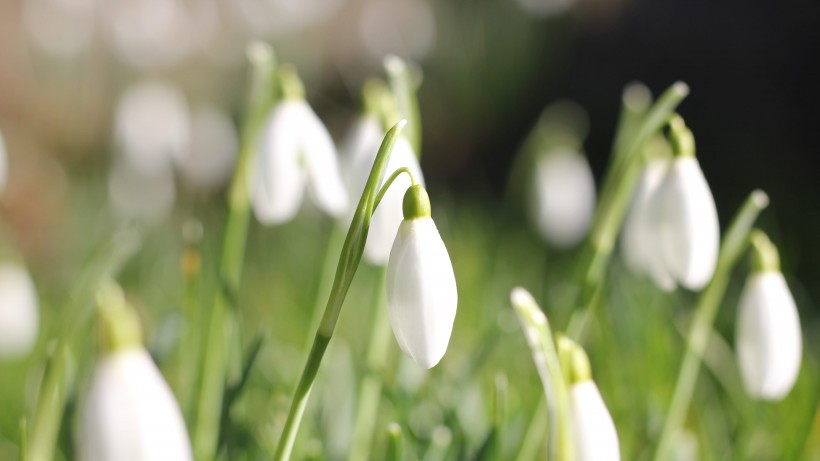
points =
(765, 257)
(416, 203)
(574, 360)
(121, 326)
(683, 142)
(290, 83)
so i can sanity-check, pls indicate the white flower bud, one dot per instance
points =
(592, 428)
(563, 197)
(295, 149)
(687, 220)
(421, 285)
(19, 317)
(130, 413)
(768, 338)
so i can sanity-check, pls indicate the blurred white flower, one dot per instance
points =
(406, 28)
(130, 413)
(593, 431)
(209, 158)
(135, 194)
(295, 149)
(360, 147)
(768, 338)
(4, 164)
(421, 285)
(150, 34)
(62, 28)
(562, 197)
(19, 313)
(639, 240)
(152, 125)
(687, 222)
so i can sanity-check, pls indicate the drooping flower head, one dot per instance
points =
(295, 152)
(421, 285)
(130, 413)
(19, 315)
(593, 431)
(768, 338)
(686, 217)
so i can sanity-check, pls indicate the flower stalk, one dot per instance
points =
(348, 264)
(222, 319)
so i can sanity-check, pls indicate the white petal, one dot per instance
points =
(421, 292)
(135, 194)
(322, 164)
(688, 232)
(564, 197)
(358, 154)
(19, 317)
(592, 428)
(152, 125)
(640, 243)
(130, 413)
(768, 337)
(278, 182)
(208, 161)
(388, 216)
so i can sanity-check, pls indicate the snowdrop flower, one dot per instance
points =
(295, 150)
(639, 242)
(421, 285)
(686, 215)
(130, 413)
(768, 338)
(19, 317)
(563, 196)
(152, 125)
(359, 147)
(593, 431)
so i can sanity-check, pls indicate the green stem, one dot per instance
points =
(223, 319)
(534, 437)
(734, 244)
(499, 415)
(615, 197)
(395, 443)
(403, 87)
(389, 182)
(370, 390)
(59, 376)
(349, 261)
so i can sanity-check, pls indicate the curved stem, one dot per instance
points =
(348, 264)
(734, 244)
(389, 183)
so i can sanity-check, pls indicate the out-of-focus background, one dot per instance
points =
(69, 67)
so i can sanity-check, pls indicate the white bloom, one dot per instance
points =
(152, 124)
(130, 413)
(563, 197)
(688, 230)
(421, 289)
(360, 147)
(4, 164)
(19, 317)
(208, 160)
(768, 337)
(295, 149)
(592, 428)
(388, 216)
(639, 241)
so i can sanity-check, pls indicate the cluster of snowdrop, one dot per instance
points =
(669, 233)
